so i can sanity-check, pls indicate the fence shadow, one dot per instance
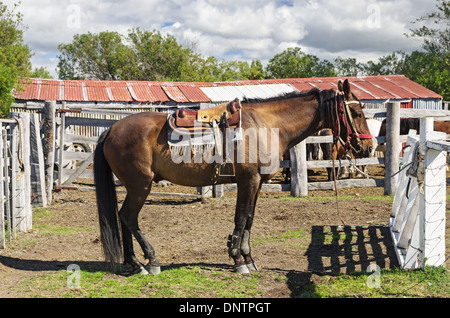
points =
(346, 249)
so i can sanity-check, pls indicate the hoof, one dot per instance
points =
(153, 270)
(243, 269)
(141, 271)
(252, 267)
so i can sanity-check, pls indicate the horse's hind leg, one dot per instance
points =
(129, 218)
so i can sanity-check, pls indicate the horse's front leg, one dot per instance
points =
(239, 242)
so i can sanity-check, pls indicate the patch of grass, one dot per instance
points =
(188, 282)
(295, 234)
(431, 282)
(47, 229)
(41, 219)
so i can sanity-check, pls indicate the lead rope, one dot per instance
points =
(336, 193)
(335, 141)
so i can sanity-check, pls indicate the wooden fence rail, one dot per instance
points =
(100, 119)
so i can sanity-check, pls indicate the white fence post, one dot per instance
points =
(432, 201)
(417, 222)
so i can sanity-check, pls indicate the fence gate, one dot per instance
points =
(15, 196)
(417, 222)
(77, 133)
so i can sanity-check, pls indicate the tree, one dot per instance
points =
(41, 72)
(293, 63)
(160, 57)
(437, 38)
(386, 65)
(347, 67)
(240, 70)
(15, 55)
(101, 56)
(431, 68)
(145, 55)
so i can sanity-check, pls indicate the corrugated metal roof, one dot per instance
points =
(120, 91)
(175, 94)
(157, 93)
(194, 94)
(222, 93)
(365, 88)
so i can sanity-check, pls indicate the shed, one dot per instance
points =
(374, 91)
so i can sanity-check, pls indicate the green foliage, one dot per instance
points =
(436, 30)
(347, 67)
(145, 55)
(293, 63)
(95, 56)
(7, 82)
(15, 55)
(41, 72)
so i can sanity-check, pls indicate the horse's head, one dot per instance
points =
(353, 126)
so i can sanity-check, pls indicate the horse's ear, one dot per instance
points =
(340, 87)
(347, 89)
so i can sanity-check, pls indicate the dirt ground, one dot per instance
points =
(189, 232)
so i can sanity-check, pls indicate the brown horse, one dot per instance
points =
(136, 150)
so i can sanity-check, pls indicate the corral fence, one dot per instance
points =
(16, 167)
(77, 127)
(417, 222)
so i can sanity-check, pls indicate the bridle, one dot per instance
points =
(343, 114)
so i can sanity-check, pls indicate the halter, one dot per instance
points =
(343, 114)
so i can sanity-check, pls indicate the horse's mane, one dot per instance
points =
(325, 98)
(295, 94)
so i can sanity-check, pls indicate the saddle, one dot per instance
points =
(189, 121)
(212, 124)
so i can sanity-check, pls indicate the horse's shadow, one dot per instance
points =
(346, 249)
(33, 265)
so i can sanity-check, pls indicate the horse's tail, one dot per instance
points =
(107, 205)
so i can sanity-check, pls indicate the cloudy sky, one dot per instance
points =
(232, 29)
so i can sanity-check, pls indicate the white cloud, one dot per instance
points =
(233, 29)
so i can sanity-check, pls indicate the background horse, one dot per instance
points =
(136, 150)
(412, 123)
(334, 152)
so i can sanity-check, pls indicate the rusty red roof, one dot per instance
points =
(175, 94)
(365, 88)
